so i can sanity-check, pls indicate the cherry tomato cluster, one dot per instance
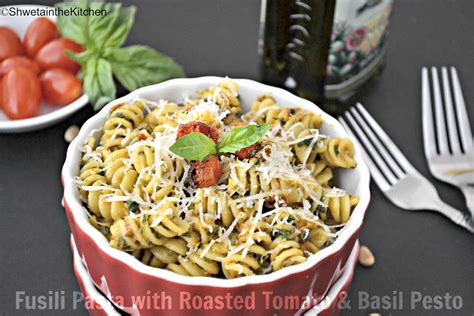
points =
(36, 69)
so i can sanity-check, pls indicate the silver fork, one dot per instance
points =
(449, 154)
(396, 177)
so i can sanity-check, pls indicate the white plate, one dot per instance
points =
(48, 114)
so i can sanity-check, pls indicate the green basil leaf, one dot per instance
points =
(194, 146)
(133, 206)
(242, 137)
(100, 28)
(137, 66)
(82, 57)
(96, 31)
(121, 27)
(98, 82)
(74, 26)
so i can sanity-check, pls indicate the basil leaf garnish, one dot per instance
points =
(194, 146)
(242, 137)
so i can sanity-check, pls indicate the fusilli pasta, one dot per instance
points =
(273, 206)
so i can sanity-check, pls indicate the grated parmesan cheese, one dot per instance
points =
(159, 218)
(334, 192)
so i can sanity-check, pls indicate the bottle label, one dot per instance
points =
(357, 41)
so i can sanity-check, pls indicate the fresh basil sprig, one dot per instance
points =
(101, 36)
(197, 146)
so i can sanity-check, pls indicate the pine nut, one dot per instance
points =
(71, 133)
(366, 257)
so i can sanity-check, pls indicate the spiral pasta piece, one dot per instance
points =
(203, 262)
(340, 208)
(340, 153)
(194, 265)
(91, 172)
(147, 257)
(123, 117)
(250, 181)
(147, 230)
(92, 175)
(118, 173)
(321, 171)
(134, 233)
(215, 205)
(225, 95)
(166, 222)
(149, 184)
(263, 238)
(238, 264)
(142, 157)
(153, 181)
(316, 239)
(160, 256)
(308, 145)
(285, 253)
(266, 110)
(163, 116)
(200, 263)
(100, 206)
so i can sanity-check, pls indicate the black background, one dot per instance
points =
(415, 251)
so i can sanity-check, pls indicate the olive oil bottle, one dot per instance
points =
(294, 45)
(323, 50)
(357, 50)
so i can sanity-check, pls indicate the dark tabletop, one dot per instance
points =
(415, 251)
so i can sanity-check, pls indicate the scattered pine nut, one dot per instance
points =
(366, 257)
(375, 314)
(62, 202)
(71, 133)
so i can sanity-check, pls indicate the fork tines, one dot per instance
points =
(386, 162)
(448, 132)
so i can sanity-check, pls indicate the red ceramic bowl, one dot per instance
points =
(333, 303)
(141, 289)
(98, 305)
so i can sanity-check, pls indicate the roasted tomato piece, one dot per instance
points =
(247, 152)
(199, 127)
(206, 173)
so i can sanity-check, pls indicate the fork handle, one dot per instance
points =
(469, 195)
(455, 215)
